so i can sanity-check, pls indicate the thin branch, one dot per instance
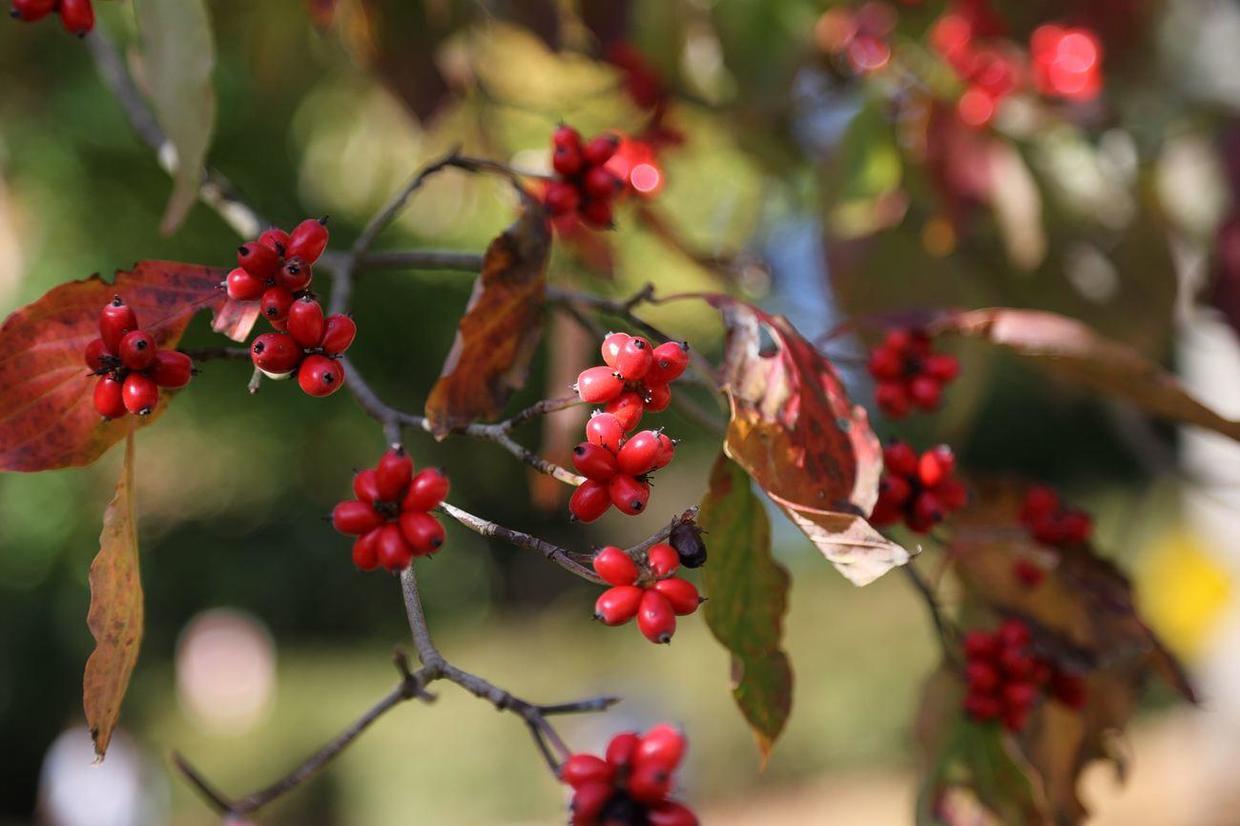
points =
(574, 563)
(218, 353)
(946, 632)
(421, 260)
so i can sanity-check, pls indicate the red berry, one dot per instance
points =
(622, 748)
(650, 783)
(1076, 526)
(634, 359)
(258, 260)
(338, 334)
(109, 397)
(894, 489)
(596, 385)
(588, 802)
(365, 488)
(982, 707)
(427, 490)
(952, 494)
(935, 465)
(662, 745)
(393, 474)
(31, 10)
(927, 512)
(590, 501)
(618, 605)
(655, 617)
(892, 399)
(116, 319)
(613, 343)
(1013, 634)
(680, 594)
(137, 350)
(1016, 664)
(886, 364)
(941, 367)
(1040, 501)
(295, 274)
(275, 353)
(96, 355)
(600, 149)
(422, 531)
(658, 397)
(394, 553)
(1019, 696)
(355, 518)
(276, 239)
(77, 16)
(594, 462)
(171, 369)
(615, 566)
(925, 392)
(366, 551)
(980, 645)
(639, 453)
(597, 214)
(663, 559)
(242, 286)
(275, 303)
(581, 769)
(320, 376)
(900, 459)
(670, 813)
(561, 198)
(667, 452)
(140, 393)
(566, 160)
(565, 135)
(670, 360)
(629, 495)
(600, 184)
(605, 430)
(981, 676)
(308, 240)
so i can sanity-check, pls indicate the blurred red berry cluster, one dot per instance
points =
(921, 490)
(909, 373)
(1051, 522)
(631, 784)
(1006, 679)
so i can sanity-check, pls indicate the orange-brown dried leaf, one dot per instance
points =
(47, 419)
(115, 617)
(1075, 350)
(497, 336)
(795, 431)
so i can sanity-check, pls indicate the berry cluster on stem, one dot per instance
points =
(584, 187)
(920, 490)
(654, 595)
(130, 366)
(631, 784)
(77, 16)
(1051, 522)
(390, 515)
(909, 374)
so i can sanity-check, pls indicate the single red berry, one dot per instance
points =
(366, 551)
(886, 364)
(623, 748)
(565, 135)
(670, 813)
(892, 399)
(663, 559)
(681, 594)
(634, 359)
(580, 769)
(618, 605)
(338, 334)
(594, 462)
(655, 617)
(980, 645)
(600, 149)
(670, 360)
(77, 16)
(275, 239)
(597, 214)
(97, 355)
(355, 518)
(258, 260)
(1076, 526)
(981, 676)
(615, 566)
(666, 452)
(275, 303)
(393, 474)
(561, 198)
(925, 392)
(308, 240)
(31, 10)
(900, 459)
(588, 802)
(628, 494)
(1013, 634)
(422, 531)
(590, 501)
(952, 494)
(649, 783)
(115, 320)
(242, 286)
(927, 512)
(601, 185)
(109, 397)
(658, 397)
(295, 275)
(137, 350)
(894, 489)
(394, 553)
(365, 487)
(427, 490)
(639, 453)
(567, 160)
(941, 367)
(628, 408)
(140, 393)
(1018, 696)
(596, 385)
(613, 343)
(935, 465)
(663, 746)
(1040, 501)
(320, 376)
(276, 354)
(605, 430)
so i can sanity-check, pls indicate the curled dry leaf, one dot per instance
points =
(46, 416)
(1074, 349)
(748, 593)
(499, 331)
(795, 431)
(116, 612)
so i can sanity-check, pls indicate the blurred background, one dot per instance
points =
(824, 160)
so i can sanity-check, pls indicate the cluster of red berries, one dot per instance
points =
(311, 347)
(584, 186)
(1005, 679)
(389, 516)
(631, 784)
(277, 268)
(1051, 522)
(921, 490)
(635, 377)
(655, 596)
(909, 373)
(77, 16)
(130, 366)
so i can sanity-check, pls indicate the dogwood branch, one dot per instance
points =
(943, 628)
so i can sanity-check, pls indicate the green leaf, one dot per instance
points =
(748, 597)
(178, 57)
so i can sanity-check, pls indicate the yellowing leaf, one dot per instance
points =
(115, 617)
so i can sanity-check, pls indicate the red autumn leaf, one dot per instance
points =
(46, 416)
(1074, 349)
(496, 338)
(795, 431)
